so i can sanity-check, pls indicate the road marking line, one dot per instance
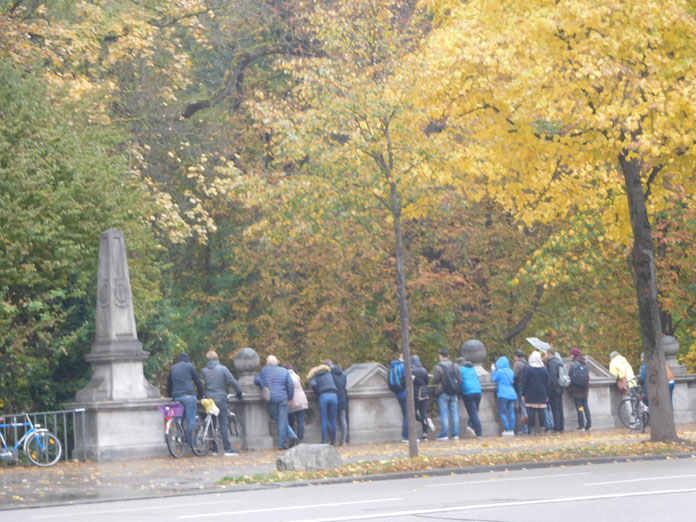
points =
(492, 479)
(125, 510)
(287, 508)
(495, 505)
(638, 480)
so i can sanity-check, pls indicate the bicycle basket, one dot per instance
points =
(210, 407)
(171, 409)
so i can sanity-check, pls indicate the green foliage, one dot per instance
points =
(62, 181)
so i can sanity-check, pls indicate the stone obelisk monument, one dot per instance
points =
(121, 418)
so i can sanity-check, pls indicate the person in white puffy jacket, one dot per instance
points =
(297, 405)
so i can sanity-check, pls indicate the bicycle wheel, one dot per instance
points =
(175, 436)
(43, 448)
(201, 437)
(628, 414)
(237, 432)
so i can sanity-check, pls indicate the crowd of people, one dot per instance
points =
(529, 394)
(287, 401)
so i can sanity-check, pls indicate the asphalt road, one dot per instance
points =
(662, 490)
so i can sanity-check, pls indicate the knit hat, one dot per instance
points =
(613, 354)
(519, 353)
(575, 352)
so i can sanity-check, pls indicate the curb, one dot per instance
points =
(467, 470)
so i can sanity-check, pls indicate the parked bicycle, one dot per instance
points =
(206, 432)
(633, 411)
(174, 431)
(41, 447)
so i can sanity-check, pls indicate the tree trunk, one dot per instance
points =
(404, 320)
(643, 260)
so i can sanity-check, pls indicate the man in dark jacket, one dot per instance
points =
(553, 363)
(324, 387)
(342, 397)
(446, 403)
(180, 381)
(217, 378)
(278, 380)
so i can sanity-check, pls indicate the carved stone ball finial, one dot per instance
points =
(670, 346)
(473, 350)
(246, 360)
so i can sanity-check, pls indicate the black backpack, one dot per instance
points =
(395, 378)
(451, 379)
(579, 375)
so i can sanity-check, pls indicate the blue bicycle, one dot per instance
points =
(40, 446)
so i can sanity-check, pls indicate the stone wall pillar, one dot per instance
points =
(253, 410)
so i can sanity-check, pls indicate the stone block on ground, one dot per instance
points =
(309, 457)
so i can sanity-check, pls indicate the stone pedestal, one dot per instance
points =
(253, 410)
(121, 418)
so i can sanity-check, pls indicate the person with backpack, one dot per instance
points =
(502, 374)
(518, 368)
(554, 363)
(448, 386)
(397, 384)
(579, 388)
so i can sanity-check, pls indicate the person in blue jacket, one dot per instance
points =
(282, 389)
(471, 393)
(502, 374)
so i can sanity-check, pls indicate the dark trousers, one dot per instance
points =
(581, 407)
(538, 413)
(556, 401)
(471, 403)
(422, 414)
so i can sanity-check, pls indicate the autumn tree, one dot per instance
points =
(62, 181)
(574, 108)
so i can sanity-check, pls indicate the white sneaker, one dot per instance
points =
(430, 424)
(405, 441)
(442, 439)
(231, 454)
(456, 437)
(470, 432)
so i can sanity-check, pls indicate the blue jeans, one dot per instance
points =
(448, 405)
(190, 404)
(404, 414)
(279, 411)
(506, 408)
(296, 421)
(548, 417)
(471, 403)
(328, 406)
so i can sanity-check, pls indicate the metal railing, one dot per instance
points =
(67, 425)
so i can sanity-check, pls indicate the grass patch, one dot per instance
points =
(425, 463)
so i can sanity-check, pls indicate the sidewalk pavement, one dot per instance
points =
(79, 482)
